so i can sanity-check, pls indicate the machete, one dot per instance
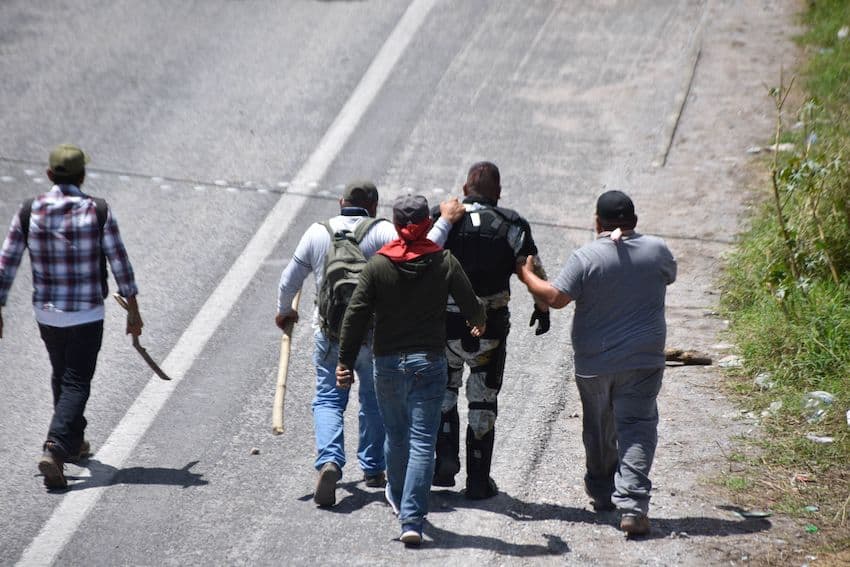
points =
(136, 345)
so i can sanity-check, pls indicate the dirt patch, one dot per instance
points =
(708, 181)
(698, 201)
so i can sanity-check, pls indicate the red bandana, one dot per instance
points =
(411, 243)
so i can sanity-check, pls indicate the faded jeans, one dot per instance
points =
(330, 403)
(410, 388)
(620, 423)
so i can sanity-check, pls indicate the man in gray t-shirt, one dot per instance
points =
(618, 282)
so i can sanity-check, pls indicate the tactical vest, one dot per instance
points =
(480, 241)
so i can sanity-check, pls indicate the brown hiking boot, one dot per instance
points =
(52, 468)
(378, 480)
(325, 494)
(635, 524)
(85, 453)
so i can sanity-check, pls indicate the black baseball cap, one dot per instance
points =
(615, 206)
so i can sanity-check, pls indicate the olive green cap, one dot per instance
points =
(360, 193)
(67, 160)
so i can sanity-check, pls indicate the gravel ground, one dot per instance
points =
(702, 190)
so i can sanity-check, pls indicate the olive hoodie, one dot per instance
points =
(408, 300)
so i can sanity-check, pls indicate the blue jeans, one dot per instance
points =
(73, 357)
(330, 403)
(410, 390)
(620, 425)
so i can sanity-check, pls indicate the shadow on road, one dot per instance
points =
(521, 511)
(447, 501)
(357, 497)
(102, 474)
(444, 539)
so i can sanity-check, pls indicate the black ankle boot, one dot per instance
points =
(447, 464)
(479, 455)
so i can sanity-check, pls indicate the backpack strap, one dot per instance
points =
(359, 231)
(327, 225)
(101, 209)
(24, 216)
(365, 226)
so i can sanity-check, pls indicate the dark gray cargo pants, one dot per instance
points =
(620, 422)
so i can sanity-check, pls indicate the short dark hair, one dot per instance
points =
(622, 225)
(484, 179)
(60, 179)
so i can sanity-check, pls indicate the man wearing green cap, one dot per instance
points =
(70, 236)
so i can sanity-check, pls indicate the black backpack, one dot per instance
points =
(343, 264)
(100, 208)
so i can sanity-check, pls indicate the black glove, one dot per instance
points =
(542, 320)
(470, 343)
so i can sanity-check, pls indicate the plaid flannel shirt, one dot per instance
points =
(65, 245)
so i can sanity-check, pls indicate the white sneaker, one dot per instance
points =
(411, 534)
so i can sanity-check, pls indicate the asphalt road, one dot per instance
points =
(201, 119)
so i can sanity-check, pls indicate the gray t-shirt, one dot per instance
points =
(619, 290)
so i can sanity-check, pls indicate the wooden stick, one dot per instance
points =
(282, 370)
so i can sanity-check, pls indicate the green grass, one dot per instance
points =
(828, 72)
(737, 483)
(788, 299)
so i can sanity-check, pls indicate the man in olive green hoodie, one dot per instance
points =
(406, 286)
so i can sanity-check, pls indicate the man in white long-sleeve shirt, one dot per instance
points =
(359, 203)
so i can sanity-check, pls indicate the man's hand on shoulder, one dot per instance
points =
(452, 210)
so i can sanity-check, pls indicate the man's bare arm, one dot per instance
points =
(542, 290)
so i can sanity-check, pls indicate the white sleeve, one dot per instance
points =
(384, 231)
(440, 231)
(299, 267)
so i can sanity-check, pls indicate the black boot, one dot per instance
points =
(448, 449)
(479, 455)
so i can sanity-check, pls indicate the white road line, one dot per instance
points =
(75, 505)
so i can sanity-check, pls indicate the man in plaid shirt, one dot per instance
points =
(66, 246)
